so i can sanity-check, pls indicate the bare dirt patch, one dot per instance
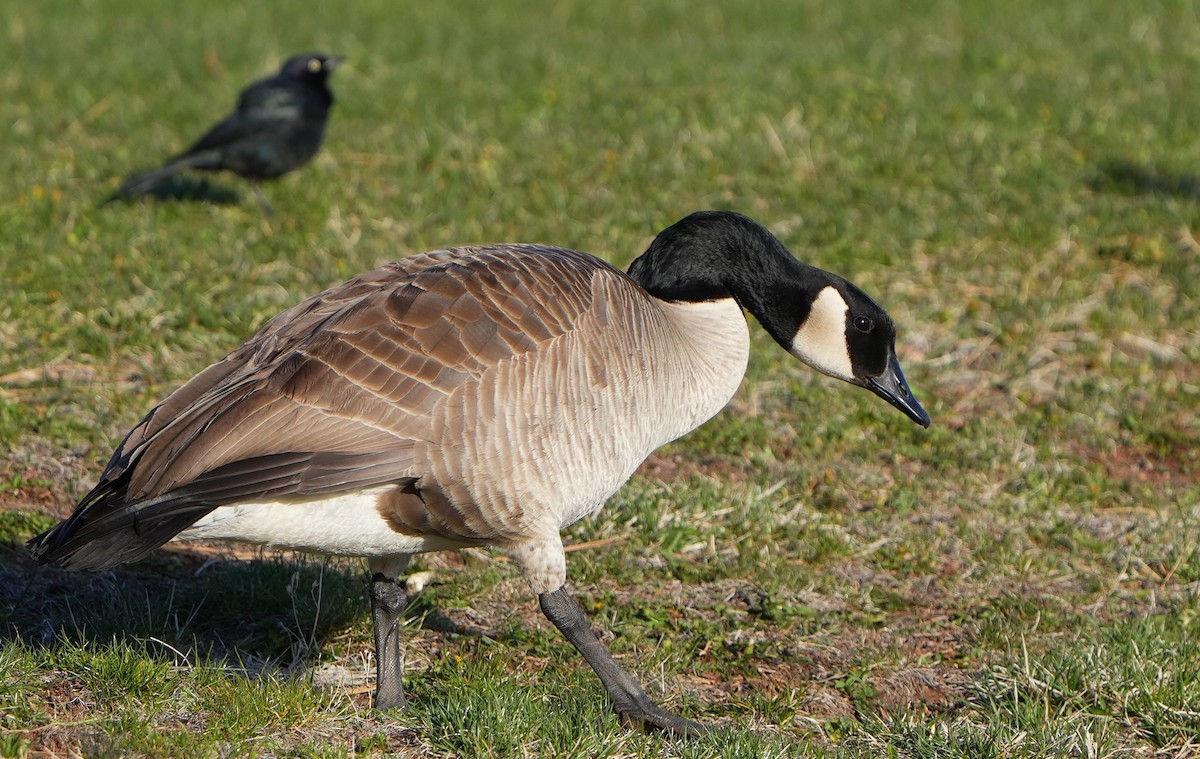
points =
(41, 477)
(1176, 466)
(676, 467)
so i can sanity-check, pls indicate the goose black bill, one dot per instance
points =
(893, 388)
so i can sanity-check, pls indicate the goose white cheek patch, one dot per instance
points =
(821, 340)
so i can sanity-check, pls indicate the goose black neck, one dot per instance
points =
(711, 255)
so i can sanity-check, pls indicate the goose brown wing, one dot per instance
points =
(334, 394)
(357, 370)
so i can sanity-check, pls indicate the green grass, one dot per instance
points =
(1016, 182)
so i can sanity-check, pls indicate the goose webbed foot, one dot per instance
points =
(642, 713)
(633, 707)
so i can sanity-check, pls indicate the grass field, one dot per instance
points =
(1016, 182)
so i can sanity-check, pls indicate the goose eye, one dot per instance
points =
(863, 324)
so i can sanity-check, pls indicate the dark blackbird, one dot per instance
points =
(277, 127)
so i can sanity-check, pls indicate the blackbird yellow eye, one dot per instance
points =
(314, 65)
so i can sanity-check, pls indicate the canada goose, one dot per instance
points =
(472, 396)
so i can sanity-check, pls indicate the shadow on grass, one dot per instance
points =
(1134, 179)
(271, 612)
(183, 188)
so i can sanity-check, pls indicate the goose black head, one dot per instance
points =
(845, 334)
(819, 317)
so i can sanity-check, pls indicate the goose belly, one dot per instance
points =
(342, 525)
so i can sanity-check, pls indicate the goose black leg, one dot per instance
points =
(388, 599)
(630, 701)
